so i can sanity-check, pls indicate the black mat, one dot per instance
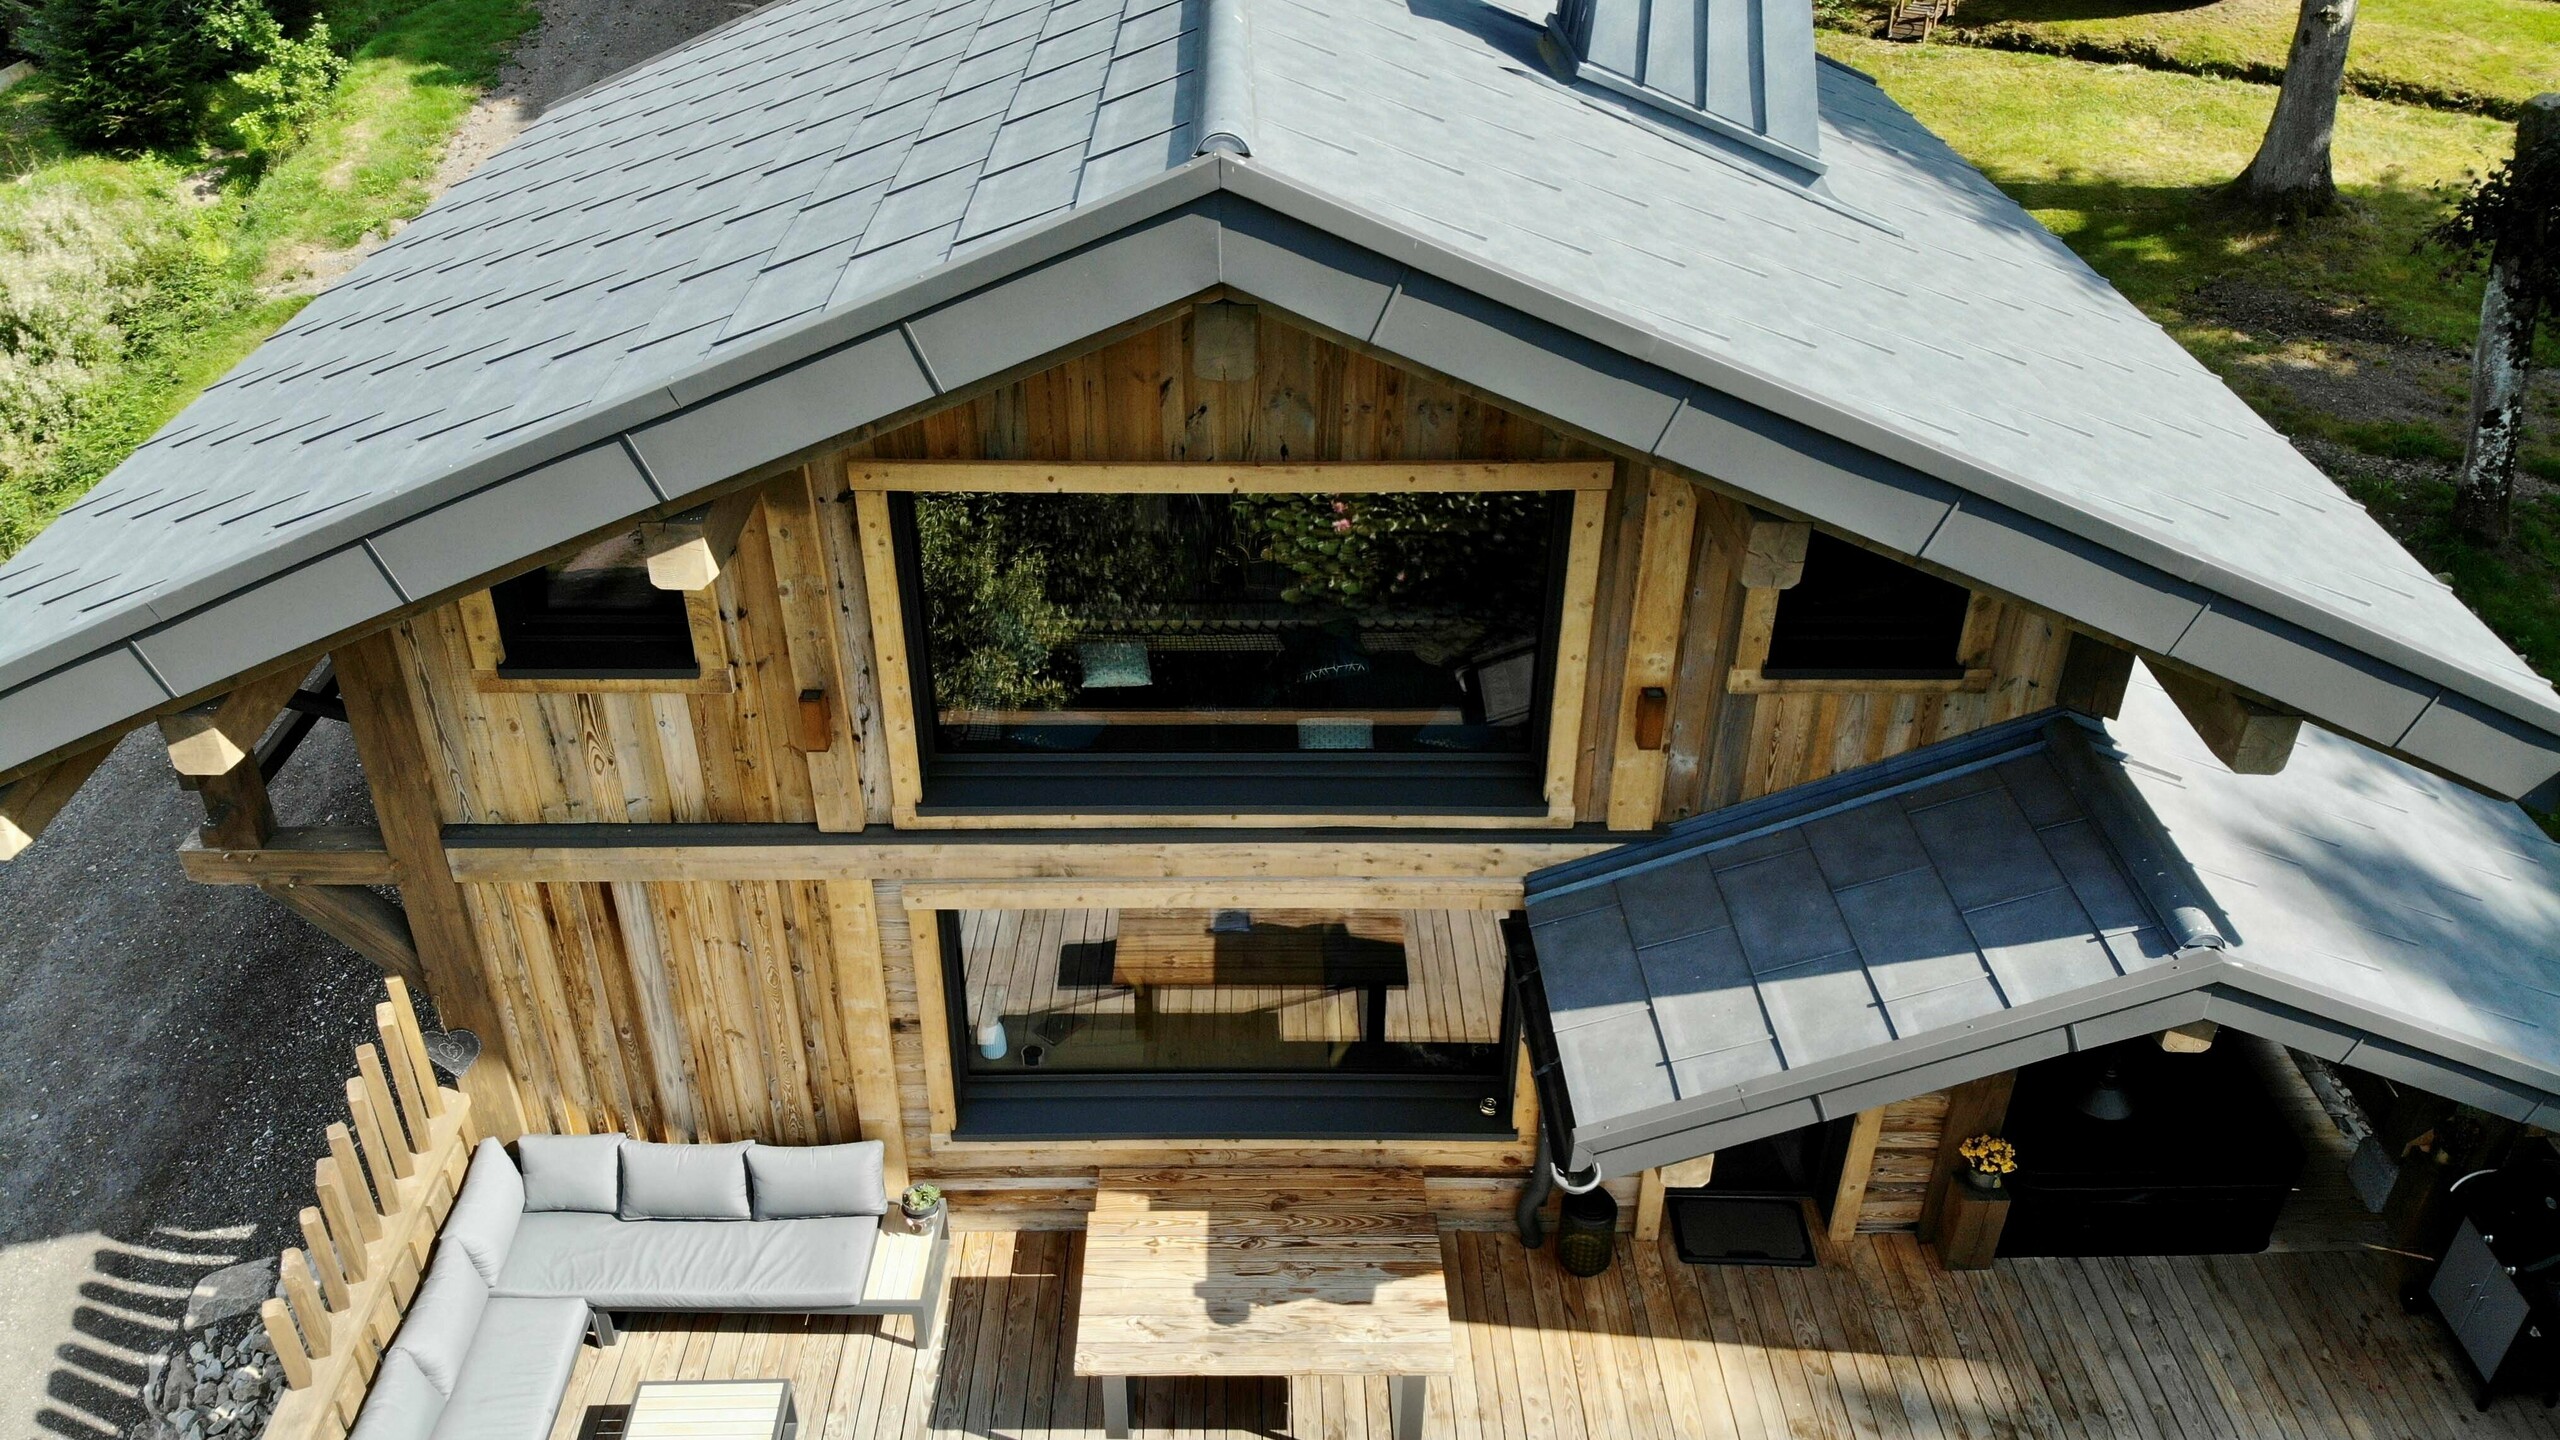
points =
(1087, 964)
(1740, 1230)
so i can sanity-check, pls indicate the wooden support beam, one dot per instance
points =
(853, 917)
(1653, 649)
(215, 737)
(383, 708)
(1856, 1168)
(237, 812)
(1226, 340)
(2251, 738)
(1977, 1107)
(1213, 478)
(2094, 676)
(29, 804)
(361, 919)
(2193, 1038)
(303, 855)
(1654, 1187)
(688, 551)
(1773, 556)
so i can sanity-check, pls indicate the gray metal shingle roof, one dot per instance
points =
(2035, 889)
(784, 203)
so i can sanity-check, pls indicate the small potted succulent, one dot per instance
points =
(1988, 1161)
(920, 1202)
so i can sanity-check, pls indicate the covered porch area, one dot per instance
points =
(1879, 1340)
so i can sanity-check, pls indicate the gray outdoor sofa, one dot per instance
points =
(540, 1249)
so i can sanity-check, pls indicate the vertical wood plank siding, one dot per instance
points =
(788, 1010)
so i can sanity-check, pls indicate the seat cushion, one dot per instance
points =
(571, 1172)
(778, 1265)
(482, 1223)
(443, 1317)
(683, 1182)
(517, 1370)
(403, 1404)
(796, 1182)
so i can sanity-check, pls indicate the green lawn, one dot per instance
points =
(2123, 163)
(2465, 54)
(129, 284)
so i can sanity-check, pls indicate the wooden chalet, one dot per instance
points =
(1084, 587)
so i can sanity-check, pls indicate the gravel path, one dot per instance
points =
(169, 1052)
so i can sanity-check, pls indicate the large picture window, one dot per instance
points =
(1155, 651)
(1248, 1020)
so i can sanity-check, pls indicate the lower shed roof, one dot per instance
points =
(2040, 887)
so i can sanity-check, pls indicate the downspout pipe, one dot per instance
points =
(1227, 119)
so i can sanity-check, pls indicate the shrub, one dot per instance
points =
(67, 277)
(125, 74)
(277, 85)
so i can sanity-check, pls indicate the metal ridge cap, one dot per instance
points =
(1753, 386)
(1227, 118)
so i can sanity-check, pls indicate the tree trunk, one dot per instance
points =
(2501, 363)
(2291, 172)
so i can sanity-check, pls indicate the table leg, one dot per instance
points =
(1115, 1406)
(1404, 1405)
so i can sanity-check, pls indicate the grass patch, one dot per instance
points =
(194, 244)
(2489, 55)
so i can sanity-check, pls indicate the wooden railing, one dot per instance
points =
(393, 1168)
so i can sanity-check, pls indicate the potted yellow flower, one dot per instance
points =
(1988, 1160)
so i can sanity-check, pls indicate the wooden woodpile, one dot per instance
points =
(393, 1168)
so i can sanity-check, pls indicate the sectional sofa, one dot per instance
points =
(541, 1248)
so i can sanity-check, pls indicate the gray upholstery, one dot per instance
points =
(571, 1172)
(517, 1371)
(683, 1182)
(797, 1182)
(482, 1223)
(403, 1405)
(785, 1265)
(437, 1331)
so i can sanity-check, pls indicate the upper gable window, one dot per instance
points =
(1302, 652)
(594, 616)
(1857, 614)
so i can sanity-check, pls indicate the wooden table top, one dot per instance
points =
(1262, 1272)
(1284, 947)
(708, 1410)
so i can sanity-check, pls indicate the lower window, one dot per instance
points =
(1292, 1023)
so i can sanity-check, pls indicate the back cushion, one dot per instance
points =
(800, 1182)
(442, 1318)
(482, 1224)
(570, 1172)
(684, 1182)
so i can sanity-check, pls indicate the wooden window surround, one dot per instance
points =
(710, 652)
(873, 482)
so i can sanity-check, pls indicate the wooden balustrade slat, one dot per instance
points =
(405, 1083)
(324, 1258)
(351, 1179)
(304, 1300)
(375, 1147)
(414, 1043)
(287, 1342)
(377, 1094)
(345, 1222)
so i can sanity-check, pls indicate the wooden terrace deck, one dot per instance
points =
(1878, 1343)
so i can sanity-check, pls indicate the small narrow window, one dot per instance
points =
(594, 616)
(1859, 614)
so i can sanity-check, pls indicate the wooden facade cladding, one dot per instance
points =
(772, 992)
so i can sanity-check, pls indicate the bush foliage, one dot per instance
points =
(136, 75)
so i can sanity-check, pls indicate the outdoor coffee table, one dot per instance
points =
(712, 1410)
(1263, 1272)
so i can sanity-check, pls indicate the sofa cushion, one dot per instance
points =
(517, 1370)
(442, 1318)
(483, 1220)
(571, 1172)
(403, 1404)
(683, 1182)
(798, 1182)
(789, 1266)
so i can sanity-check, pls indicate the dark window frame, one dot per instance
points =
(582, 629)
(1913, 588)
(1220, 1105)
(1310, 783)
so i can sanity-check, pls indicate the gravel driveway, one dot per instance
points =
(170, 1052)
